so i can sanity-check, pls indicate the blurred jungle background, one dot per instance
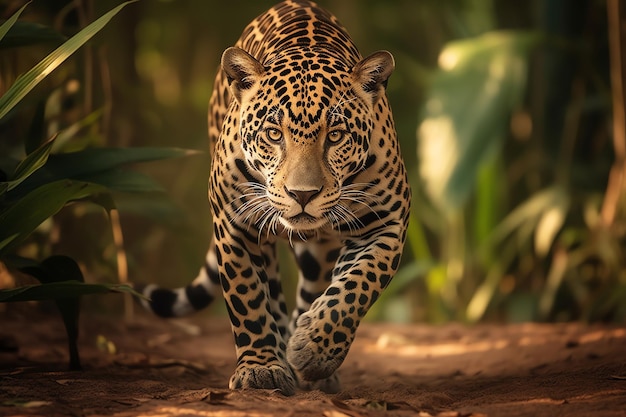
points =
(505, 113)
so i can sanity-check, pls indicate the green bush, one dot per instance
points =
(54, 173)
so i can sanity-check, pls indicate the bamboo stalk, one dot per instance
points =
(122, 262)
(616, 183)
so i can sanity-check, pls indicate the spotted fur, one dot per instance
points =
(304, 148)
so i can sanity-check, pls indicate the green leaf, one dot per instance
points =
(23, 217)
(551, 222)
(70, 132)
(104, 200)
(6, 26)
(24, 84)
(479, 51)
(61, 268)
(29, 33)
(101, 166)
(95, 160)
(125, 181)
(30, 164)
(488, 202)
(466, 115)
(416, 237)
(528, 213)
(56, 268)
(63, 289)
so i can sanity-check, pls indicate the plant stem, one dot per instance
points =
(616, 12)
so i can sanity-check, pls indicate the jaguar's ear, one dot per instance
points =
(372, 74)
(242, 70)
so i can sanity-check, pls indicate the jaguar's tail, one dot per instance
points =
(185, 300)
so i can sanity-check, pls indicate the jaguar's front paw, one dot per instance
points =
(272, 377)
(316, 354)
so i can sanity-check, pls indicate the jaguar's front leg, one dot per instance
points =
(324, 334)
(316, 261)
(244, 266)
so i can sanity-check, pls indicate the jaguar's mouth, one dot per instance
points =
(303, 218)
(302, 221)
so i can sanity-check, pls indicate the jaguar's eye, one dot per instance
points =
(273, 134)
(335, 136)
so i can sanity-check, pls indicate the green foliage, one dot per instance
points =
(515, 219)
(480, 83)
(21, 218)
(24, 84)
(27, 166)
(47, 179)
(103, 166)
(10, 22)
(43, 183)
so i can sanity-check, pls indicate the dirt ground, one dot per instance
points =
(181, 368)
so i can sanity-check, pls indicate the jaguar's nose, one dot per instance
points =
(303, 197)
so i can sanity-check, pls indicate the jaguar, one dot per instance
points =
(303, 148)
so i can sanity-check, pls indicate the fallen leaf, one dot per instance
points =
(346, 410)
(26, 404)
(63, 381)
(400, 405)
(159, 340)
(215, 398)
(335, 413)
(130, 402)
(189, 328)
(376, 405)
(105, 345)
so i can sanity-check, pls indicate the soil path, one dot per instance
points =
(181, 368)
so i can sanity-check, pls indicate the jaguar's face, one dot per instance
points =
(305, 127)
(305, 141)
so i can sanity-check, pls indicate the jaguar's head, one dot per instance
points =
(305, 121)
